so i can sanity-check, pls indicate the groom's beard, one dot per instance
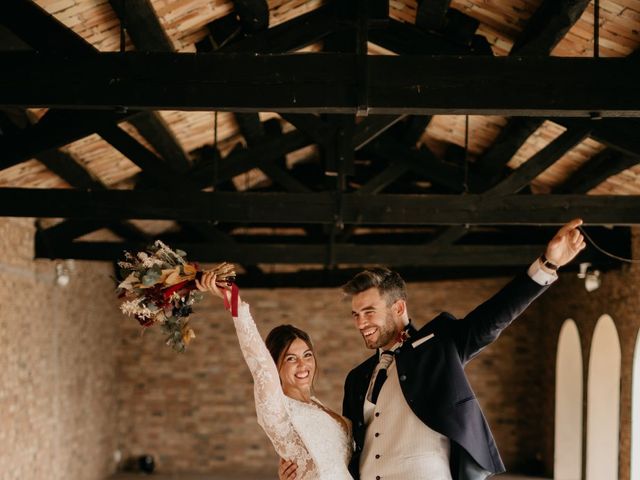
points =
(386, 333)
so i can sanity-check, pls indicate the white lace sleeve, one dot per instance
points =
(271, 408)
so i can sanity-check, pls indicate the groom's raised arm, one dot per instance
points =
(485, 323)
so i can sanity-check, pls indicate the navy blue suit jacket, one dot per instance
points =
(435, 386)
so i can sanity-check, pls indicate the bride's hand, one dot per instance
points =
(208, 284)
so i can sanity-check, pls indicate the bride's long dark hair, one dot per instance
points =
(280, 339)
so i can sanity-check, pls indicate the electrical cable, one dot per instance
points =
(603, 251)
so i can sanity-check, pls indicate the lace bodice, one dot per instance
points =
(299, 431)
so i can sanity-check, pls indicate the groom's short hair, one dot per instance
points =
(389, 283)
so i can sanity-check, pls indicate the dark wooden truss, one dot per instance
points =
(370, 197)
(327, 83)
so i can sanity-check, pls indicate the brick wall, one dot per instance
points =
(57, 365)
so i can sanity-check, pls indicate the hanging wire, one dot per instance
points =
(215, 129)
(466, 154)
(596, 28)
(216, 163)
(603, 251)
(122, 26)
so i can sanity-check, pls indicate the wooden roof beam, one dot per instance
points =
(143, 25)
(157, 132)
(617, 133)
(511, 138)
(41, 30)
(319, 208)
(422, 161)
(147, 33)
(538, 163)
(207, 173)
(435, 15)
(518, 179)
(369, 128)
(596, 170)
(407, 39)
(227, 35)
(459, 256)
(56, 129)
(323, 83)
(548, 26)
(10, 41)
(432, 14)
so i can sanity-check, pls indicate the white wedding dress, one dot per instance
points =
(299, 431)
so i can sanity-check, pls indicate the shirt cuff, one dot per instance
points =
(540, 276)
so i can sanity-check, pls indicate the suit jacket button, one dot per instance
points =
(359, 424)
(403, 378)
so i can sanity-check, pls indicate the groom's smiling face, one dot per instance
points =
(377, 322)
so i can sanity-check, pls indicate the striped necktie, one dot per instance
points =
(379, 375)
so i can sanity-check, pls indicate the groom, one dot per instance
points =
(413, 412)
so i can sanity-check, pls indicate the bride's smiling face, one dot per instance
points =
(298, 366)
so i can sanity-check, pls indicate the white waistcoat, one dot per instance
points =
(397, 445)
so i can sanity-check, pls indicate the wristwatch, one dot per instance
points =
(548, 264)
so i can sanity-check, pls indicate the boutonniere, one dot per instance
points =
(403, 336)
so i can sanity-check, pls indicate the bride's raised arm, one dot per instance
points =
(271, 408)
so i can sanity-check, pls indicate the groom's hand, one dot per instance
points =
(566, 244)
(287, 469)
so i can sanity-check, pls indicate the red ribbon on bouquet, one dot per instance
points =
(232, 304)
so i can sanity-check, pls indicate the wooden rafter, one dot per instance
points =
(509, 141)
(525, 173)
(210, 172)
(422, 161)
(290, 208)
(291, 251)
(327, 82)
(347, 84)
(39, 29)
(142, 25)
(542, 33)
(296, 33)
(309, 254)
(431, 14)
(412, 40)
(549, 24)
(596, 170)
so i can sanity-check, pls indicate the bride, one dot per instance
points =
(300, 427)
